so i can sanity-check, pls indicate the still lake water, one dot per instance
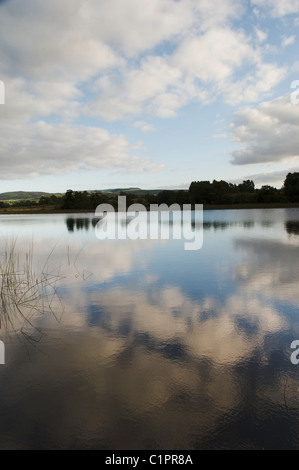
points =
(148, 346)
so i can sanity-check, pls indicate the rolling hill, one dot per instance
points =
(20, 195)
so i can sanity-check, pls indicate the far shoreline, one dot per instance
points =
(206, 207)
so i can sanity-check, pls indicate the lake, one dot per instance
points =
(122, 344)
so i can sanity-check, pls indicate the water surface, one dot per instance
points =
(144, 345)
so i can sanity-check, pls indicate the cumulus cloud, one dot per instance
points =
(261, 35)
(51, 39)
(202, 67)
(278, 8)
(253, 86)
(41, 148)
(288, 40)
(81, 41)
(267, 133)
(144, 126)
(275, 178)
(63, 62)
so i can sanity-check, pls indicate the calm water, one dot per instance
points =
(143, 345)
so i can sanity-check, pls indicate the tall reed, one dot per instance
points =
(26, 291)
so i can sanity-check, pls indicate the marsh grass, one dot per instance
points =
(26, 291)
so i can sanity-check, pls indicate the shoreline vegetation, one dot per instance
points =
(206, 207)
(213, 196)
(26, 290)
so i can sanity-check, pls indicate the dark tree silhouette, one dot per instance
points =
(247, 186)
(291, 187)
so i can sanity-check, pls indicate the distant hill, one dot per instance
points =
(21, 195)
(134, 191)
(35, 195)
(116, 190)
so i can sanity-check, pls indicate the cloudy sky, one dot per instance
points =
(147, 93)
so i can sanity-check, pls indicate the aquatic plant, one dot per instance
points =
(26, 291)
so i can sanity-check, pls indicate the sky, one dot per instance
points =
(147, 93)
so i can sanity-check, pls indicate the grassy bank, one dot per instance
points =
(52, 210)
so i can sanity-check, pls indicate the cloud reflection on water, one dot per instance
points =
(144, 363)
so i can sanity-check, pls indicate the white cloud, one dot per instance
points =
(77, 42)
(114, 59)
(201, 68)
(25, 100)
(144, 126)
(250, 88)
(132, 92)
(43, 149)
(218, 13)
(278, 8)
(51, 39)
(213, 56)
(287, 40)
(273, 178)
(256, 12)
(268, 133)
(135, 26)
(261, 35)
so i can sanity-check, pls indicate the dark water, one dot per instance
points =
(142, 345)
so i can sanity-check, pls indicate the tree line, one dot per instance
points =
(221, 192)
(199, 192)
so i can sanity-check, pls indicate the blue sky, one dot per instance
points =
(147, 93)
